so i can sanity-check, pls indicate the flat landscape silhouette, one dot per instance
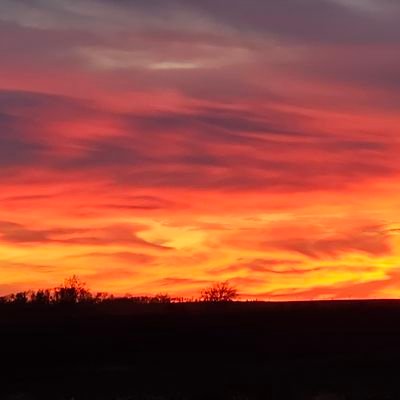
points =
(135, 348)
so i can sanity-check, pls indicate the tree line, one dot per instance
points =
(75, 291)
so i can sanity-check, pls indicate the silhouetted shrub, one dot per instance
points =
(161, 299)
(43, 297)
(219, 292)
(102, 296)
(20, 298)
(73, 291)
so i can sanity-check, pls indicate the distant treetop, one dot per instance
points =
(219, 292)
(74, 291)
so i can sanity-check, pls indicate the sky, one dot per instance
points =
(158, 146)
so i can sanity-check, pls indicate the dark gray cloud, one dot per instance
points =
(255, 40)
(294, 20)
(202, 147)
(29, 106)
(25, 139)
(210, 120)
(16, 147)
(144, 203)
(110, 235)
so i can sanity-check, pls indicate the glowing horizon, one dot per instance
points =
(161, 146)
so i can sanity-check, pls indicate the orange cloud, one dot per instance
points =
(239, 143)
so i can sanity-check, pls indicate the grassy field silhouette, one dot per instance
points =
(130, 349)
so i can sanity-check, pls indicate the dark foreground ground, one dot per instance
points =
(316, 350)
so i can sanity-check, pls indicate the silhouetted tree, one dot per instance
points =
(102, 296)
(72, 291)
(219, 292)
(161, 299)
(42, 297)
(20, 298)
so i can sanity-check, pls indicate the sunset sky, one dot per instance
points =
(161, 145)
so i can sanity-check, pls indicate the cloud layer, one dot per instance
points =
(161, 145)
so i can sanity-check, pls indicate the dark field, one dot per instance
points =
(305, 350)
